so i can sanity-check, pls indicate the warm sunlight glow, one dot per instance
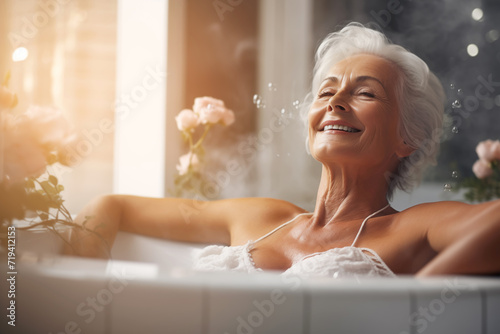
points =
(20, 54)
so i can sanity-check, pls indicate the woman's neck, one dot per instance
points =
(345, 195)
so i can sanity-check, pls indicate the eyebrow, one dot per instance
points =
(358, 79)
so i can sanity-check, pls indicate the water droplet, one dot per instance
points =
(492, 35)
(477, 14)
(283, 111)
(296, 104)
(454, 129)
(447, 187)
(259, 102)
(452, 86)
(460, 92)
(472, 50)
(256, 98)
(454, 174)
(456, 104)
(271, 87)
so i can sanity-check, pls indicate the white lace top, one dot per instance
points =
(341, 262)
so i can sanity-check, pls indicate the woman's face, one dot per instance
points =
(355, 114)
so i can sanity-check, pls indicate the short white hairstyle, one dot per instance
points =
(420, 96)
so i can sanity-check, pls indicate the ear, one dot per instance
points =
(403, 149)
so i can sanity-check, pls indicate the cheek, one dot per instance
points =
(315, 113)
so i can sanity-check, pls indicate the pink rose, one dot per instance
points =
(488, 150)
(7, 98)
(47, 126)
(187, 120)
(228, 117)
(30, 138)
(212, 111)
(482, 169)
(22, 156)
(186, 161)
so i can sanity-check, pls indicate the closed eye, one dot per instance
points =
(368, 94)
(325, 93)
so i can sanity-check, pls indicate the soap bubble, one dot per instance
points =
(477, 14)
(454, 174)
(271, 87)
(296, 104)
(492, 35)
(256, 98)
(454, 129)
(460, 92)
(456, 104)
(452, 86)
(472, 50)
(259, 101)
(447, 187)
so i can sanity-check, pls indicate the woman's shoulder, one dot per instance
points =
(255, 216)
(433, 207)
(270, 207)
(432, 213)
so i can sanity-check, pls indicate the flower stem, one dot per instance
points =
(198, 143)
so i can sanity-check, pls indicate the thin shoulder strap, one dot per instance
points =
(364, 222)
(281, 226)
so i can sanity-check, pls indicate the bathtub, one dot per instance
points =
(148, 287)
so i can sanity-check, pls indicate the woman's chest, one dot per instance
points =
(402, 251)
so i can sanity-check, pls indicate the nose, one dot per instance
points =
(337, 103)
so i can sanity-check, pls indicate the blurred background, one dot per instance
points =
(121, 70)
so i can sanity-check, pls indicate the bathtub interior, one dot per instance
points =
(148, 287)
(165, 253)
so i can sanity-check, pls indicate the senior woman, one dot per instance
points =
(374, 121)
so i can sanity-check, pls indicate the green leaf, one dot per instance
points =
(51, 159)
(53, 180)
(48, 187)
(30, 184)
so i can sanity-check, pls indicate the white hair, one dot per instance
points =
(419, 92)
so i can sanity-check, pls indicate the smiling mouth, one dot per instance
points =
(340, 128)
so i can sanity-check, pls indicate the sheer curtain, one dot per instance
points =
(70, 64)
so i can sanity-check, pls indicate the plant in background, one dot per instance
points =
(486, 183)
(206, 112)
(30, 142)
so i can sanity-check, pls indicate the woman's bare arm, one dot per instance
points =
(466, 238)
(169, 218)
(216, 222)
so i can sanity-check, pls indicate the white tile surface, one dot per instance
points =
(248, 305)
(52, 304)
(492, 310)
(350, 307)
(447, 305)
(157, 307)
